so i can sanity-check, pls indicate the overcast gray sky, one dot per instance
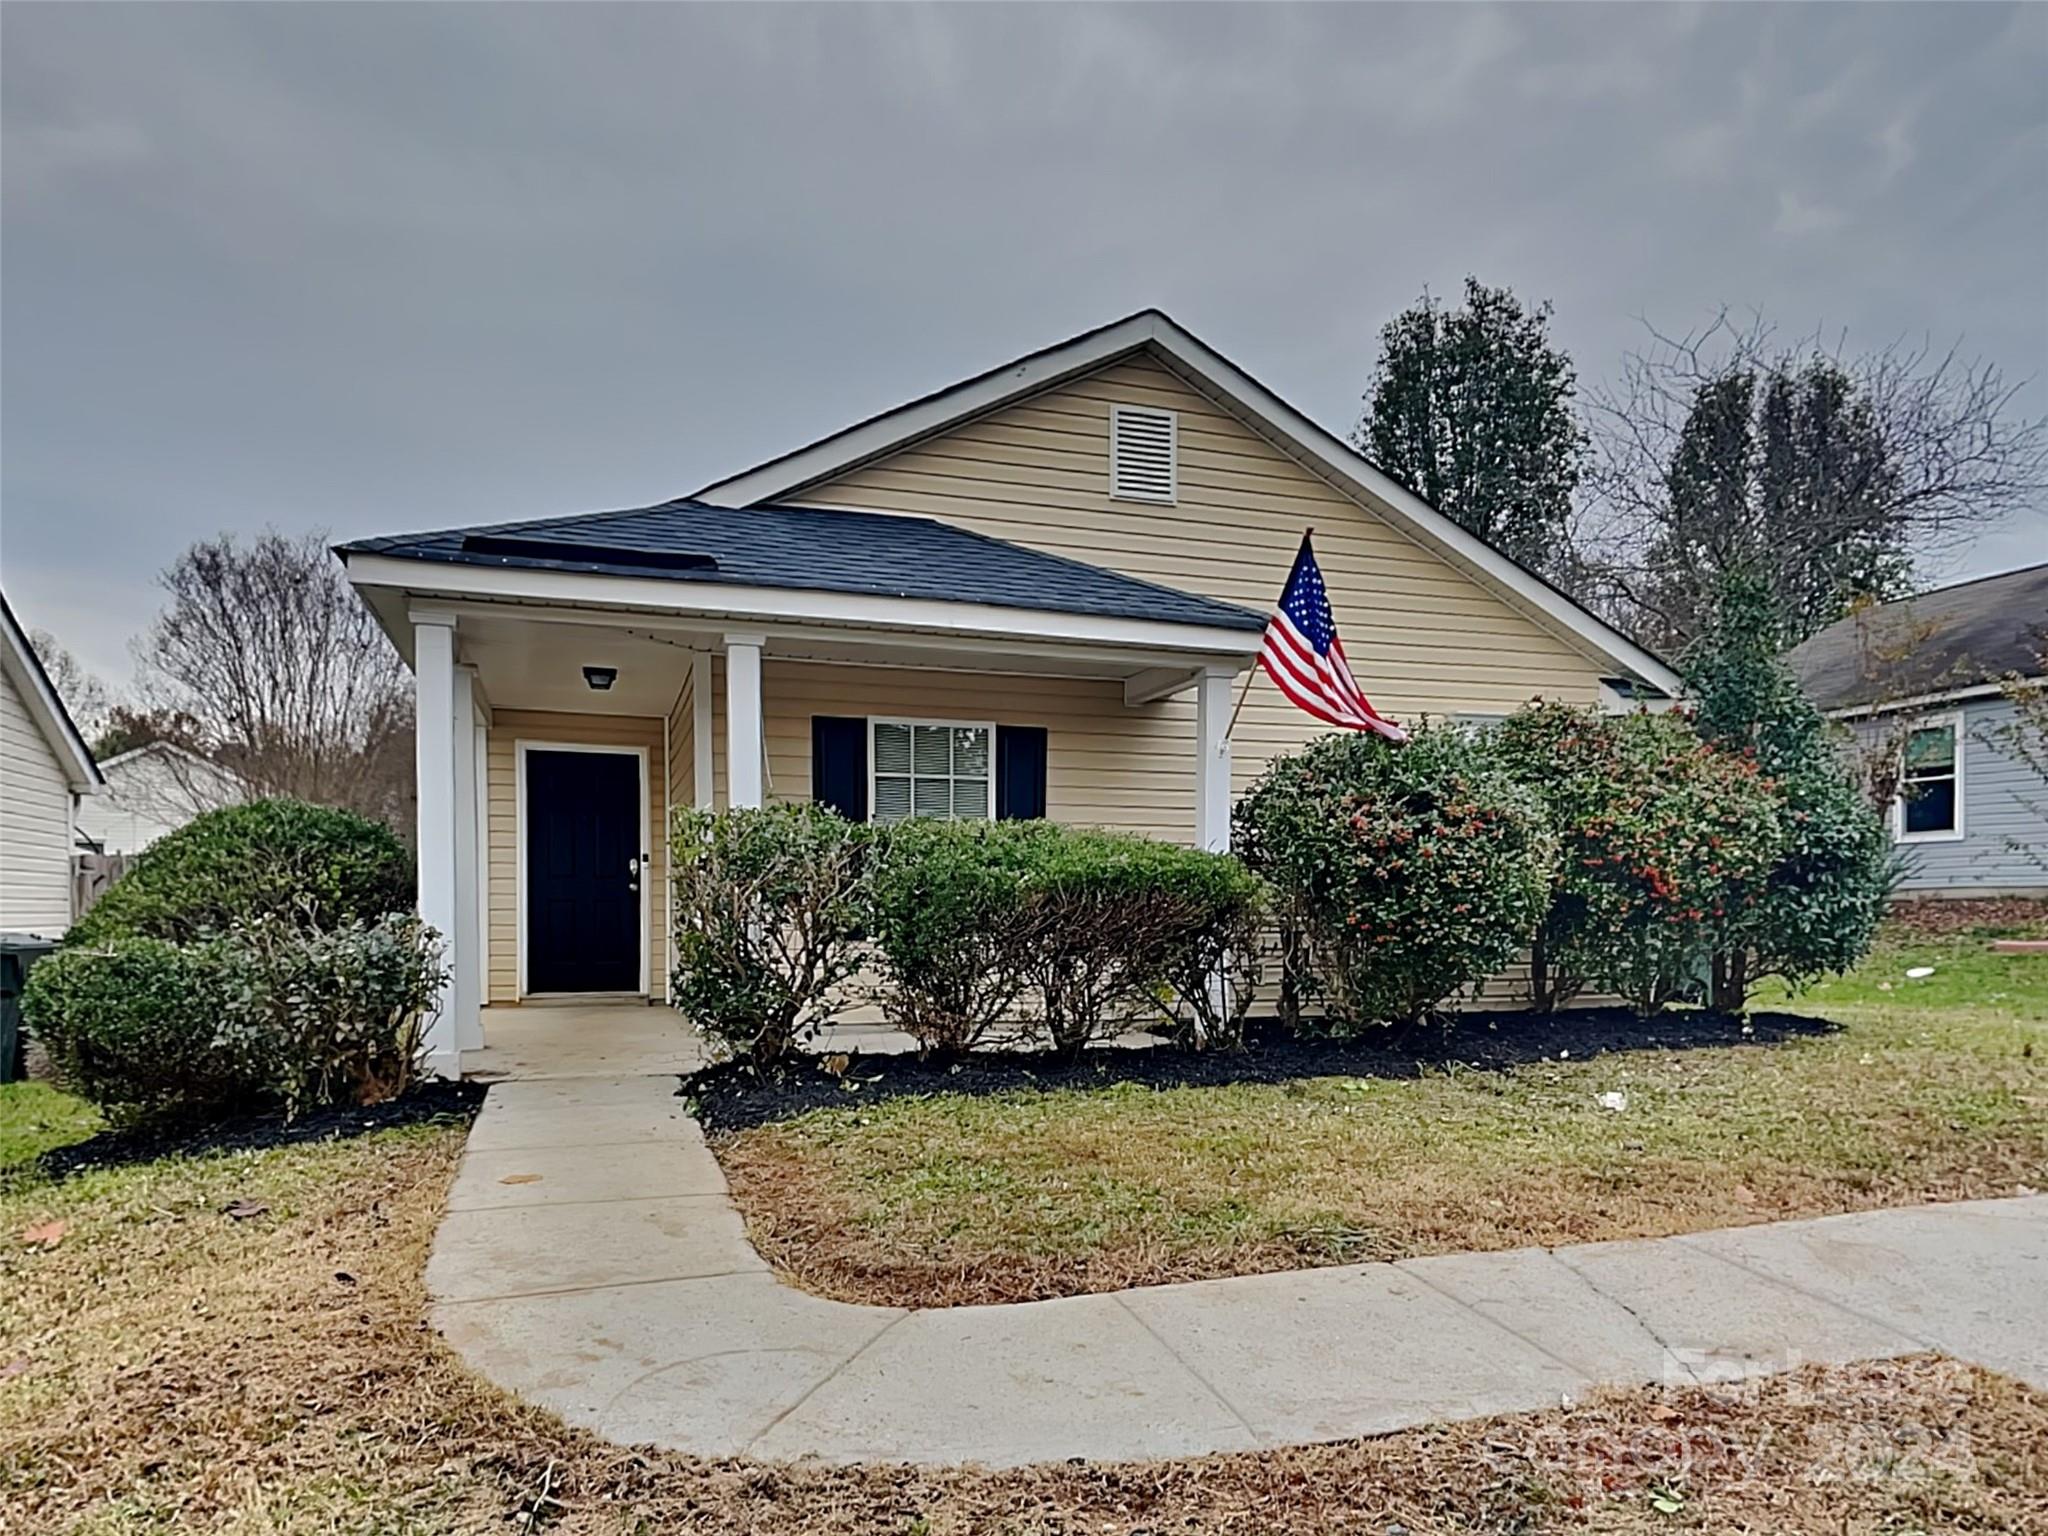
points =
(378, 267)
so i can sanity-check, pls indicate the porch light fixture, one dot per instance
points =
(601, 678)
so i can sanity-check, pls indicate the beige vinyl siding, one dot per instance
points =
(680, 789)
(682, 744)
(35, 823)
(511, 726)
(1422, 636)
(1106, 764)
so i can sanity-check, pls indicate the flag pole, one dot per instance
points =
(1252, 671)
(1242, 694)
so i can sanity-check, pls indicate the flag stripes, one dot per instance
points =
(1305, 659)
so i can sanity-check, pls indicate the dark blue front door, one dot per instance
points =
(582, 872)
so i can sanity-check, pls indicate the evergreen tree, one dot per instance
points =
(1819, 909)
(1471, 409)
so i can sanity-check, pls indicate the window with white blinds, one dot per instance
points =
(1142, 449)
(931, 768)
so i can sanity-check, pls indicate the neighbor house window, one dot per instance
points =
(931, 768)
(1931, 782)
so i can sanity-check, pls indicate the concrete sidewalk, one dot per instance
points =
(591, 1262)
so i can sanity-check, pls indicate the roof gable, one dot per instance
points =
(1320, 453)
(45, 707)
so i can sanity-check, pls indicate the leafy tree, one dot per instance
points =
(1763, 455)
(127, 728)
(1818, 908)
(1724, 454)
(1472, 410)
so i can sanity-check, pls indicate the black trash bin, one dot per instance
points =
(18, 951)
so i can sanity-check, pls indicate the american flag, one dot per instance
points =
(1304, 657)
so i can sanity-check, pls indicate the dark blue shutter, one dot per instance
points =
(839, 764)
(1020, 772)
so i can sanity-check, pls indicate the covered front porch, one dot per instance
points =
(628, 1038)
(563, 714)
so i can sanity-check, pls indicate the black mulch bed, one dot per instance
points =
(429, 1101)
(734, 1096)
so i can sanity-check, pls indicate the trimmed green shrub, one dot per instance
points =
(768, 908)
(1403, 873)
(1208, 914)
(1103, 912)
(130, 1026)
(1664, 838)
(1566, 755)
(318, 867)
(267, 1014)
(337, 1017)
(948, 924)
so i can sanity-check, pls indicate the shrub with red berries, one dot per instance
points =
(1663, 839)
(1402, 874)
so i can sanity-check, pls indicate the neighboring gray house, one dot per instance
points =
(1925, 684)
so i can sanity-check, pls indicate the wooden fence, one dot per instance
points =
(91, 875)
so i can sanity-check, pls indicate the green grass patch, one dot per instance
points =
(34, 1118)
(1964, 974)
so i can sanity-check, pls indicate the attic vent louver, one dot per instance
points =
(1142, 450)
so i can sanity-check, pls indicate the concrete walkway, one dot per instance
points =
(590, 1261)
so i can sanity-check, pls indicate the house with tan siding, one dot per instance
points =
(1038, 592)
(45, 767)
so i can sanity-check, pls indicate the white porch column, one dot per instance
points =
(481, 733)
(743, 740)
(1212, 760)
(700, 729)
(434, 736)
(466, 994)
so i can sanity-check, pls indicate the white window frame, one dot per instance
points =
(520, 747)
(949, 725)
(1954, 722)
(1151, 413)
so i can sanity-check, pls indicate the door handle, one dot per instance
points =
(632, 874)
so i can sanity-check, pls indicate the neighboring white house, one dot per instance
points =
(45, 767)
(152, 790)
(1930, 679)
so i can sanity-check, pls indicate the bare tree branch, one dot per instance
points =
(1825, 474)
(283, 674)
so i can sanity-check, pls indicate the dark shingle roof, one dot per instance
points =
(816, 550)
(1953, 637)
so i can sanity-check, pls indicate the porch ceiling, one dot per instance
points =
(525, 661)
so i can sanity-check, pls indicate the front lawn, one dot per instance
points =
(234, 1342)
(1928, 1088)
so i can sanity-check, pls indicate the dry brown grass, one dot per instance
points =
(174, 1369)
(948, 1199)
